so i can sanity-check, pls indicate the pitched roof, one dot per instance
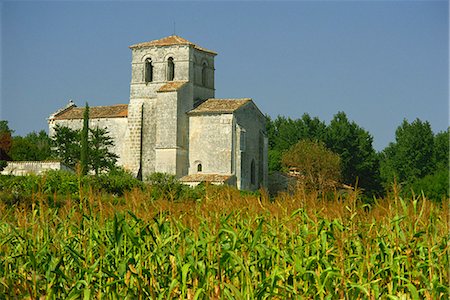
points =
(172, 86)
(205, 178)
(95, 112)
(220, 105)
(170, 41)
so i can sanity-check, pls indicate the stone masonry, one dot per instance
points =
(173, 123)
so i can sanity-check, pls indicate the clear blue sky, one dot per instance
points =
(378, 61)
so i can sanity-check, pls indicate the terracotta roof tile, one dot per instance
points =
(172, 86)
(205, 178)
(170, 41)
(220, 105)
(95, 112)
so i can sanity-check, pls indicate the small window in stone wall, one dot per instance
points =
(252, 172)
(243, 140)
(148, 70)
(170, 69)
(204, 74)
(199, 168)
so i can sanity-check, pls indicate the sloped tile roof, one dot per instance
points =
(172, 86)
(95, 112)
(170, 41)
(220, 105)
(205, 178)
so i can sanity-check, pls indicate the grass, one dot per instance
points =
(224, 245)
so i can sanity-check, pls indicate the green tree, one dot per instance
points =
(84, 159)
(283, 133)
(359, 160)
(318, 167)
(34, 146)
(66, 145)
(411, 156)
(441, 149)
(5, 143)
(100, 158)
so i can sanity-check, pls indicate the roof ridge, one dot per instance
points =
(102, 111)
(170, 41)
(214, 105)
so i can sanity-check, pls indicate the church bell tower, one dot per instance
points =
(169, 77)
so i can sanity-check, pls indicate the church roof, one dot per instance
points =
(220, 105)
(95, 112)
(172, 86)
(170, 41)
(205, 178)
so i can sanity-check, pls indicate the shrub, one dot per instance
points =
(117, 182)
(61, 182)
(165, 186)
(434, 186)
(3, 164)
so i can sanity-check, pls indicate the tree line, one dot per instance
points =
(325, 155)
(418, 159)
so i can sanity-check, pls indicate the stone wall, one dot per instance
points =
(148, 137)
(252, 141)
(211, 143)
(21, 168)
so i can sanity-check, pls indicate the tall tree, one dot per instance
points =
(84, 159)
(441, 149)
(359, 160)
(100, 158)
(283, 133)
(411, 156)
(66, 145)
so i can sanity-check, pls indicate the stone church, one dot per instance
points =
(173, 123)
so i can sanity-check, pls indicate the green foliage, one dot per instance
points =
(66, 145)
(76, 253)
(60, 182)
(34, 147)
(318, 167)
(20, 189)
(434, 186)
(100, 158)
(84, 143)
(274, 157)
(283, 133)
(418, 160)
(411, 156)
(164, 185)
(67, 148)
(117, 182)
(441, 149)
(359, 160)
(3, 164)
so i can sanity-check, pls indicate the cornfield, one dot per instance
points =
(227, 245)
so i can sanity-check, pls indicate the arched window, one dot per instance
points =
(170, 69)
(148, 70)
(204, 74)
(199, 167)
(252, 172)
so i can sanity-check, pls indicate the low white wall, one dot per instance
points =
(21, 168)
